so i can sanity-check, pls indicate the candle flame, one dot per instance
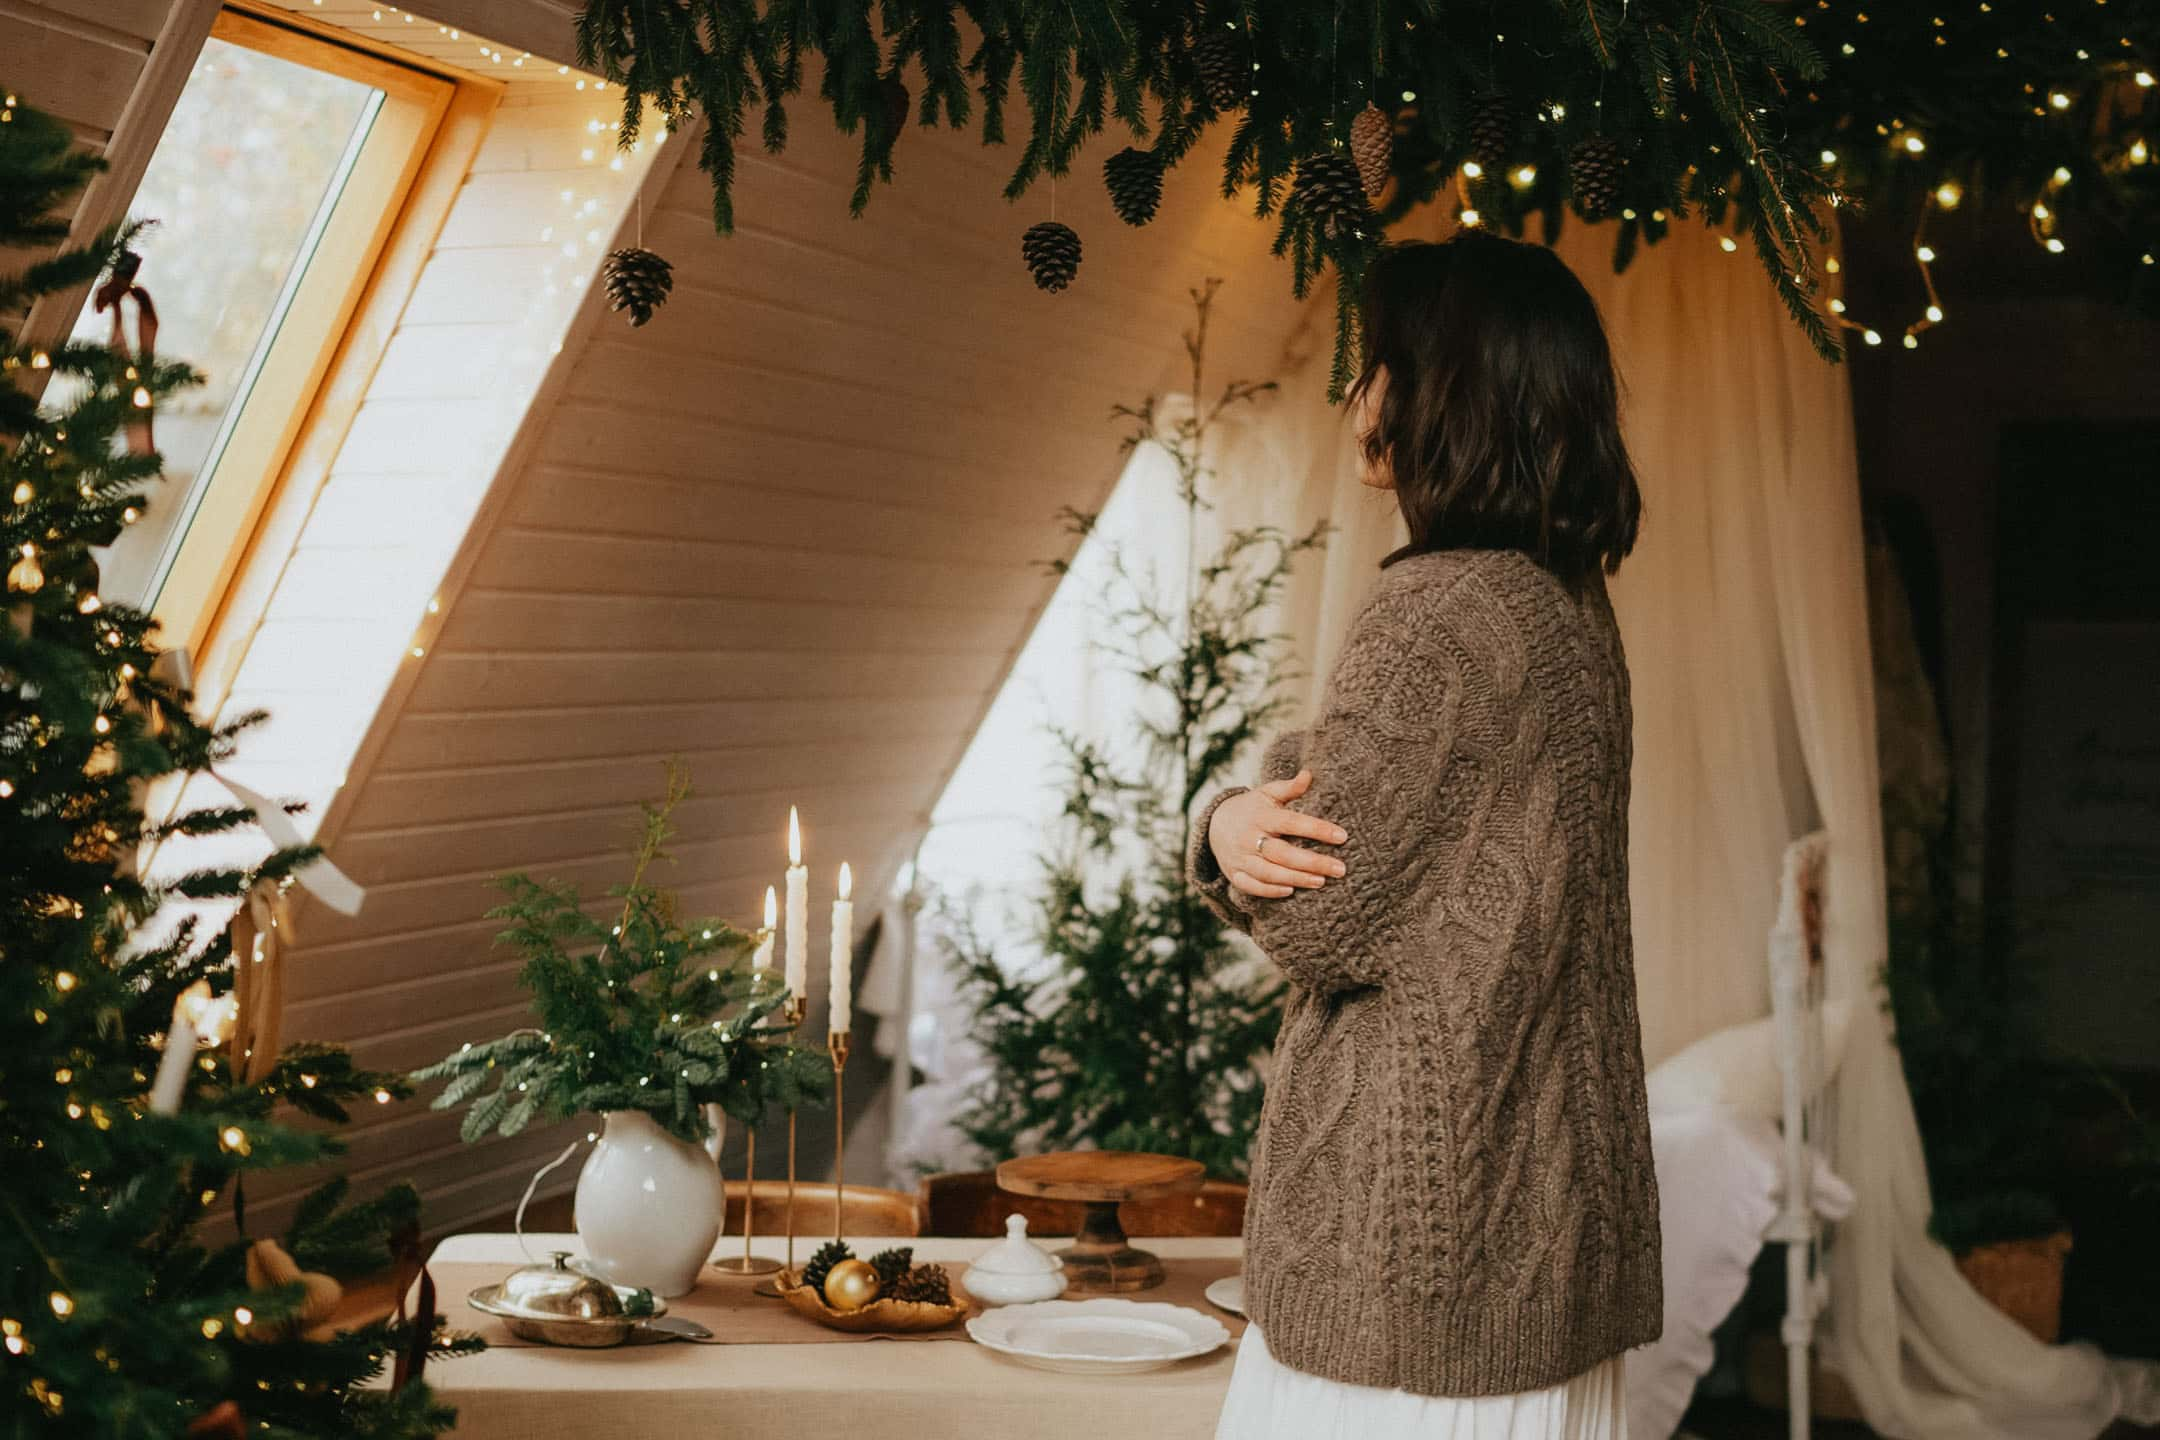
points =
(847, 880)
(794, 837)
(772, 908)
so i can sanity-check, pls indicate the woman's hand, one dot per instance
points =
(1246, 833)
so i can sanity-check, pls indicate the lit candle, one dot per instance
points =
(197, 1020)
(798, 911)
(843, 934)
(762, 959)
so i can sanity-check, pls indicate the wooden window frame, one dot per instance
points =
(285, 401)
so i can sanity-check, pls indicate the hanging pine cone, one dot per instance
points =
(831, 1253)
(1330, 193)
(925, 1285)
(1372, 146)
(1594, 175)
(897, 104)
(1134, 179)
(1052, 252)
(891, 1266)
(1492, 132)
(637, 281)
(1222, 73)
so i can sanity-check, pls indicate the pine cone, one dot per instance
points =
(1052, 252)
(892, 1266)
(1134, 179)
(1330, 193)
(1492, 132)
(1222, 73)
(897, 102)
(1372, 146)
(1594, 175)
(831, 1253)
(637, 281)
(925, 1285)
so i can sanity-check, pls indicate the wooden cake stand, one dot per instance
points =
(1101, 1261)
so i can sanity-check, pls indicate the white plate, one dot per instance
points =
(1229, 1293)
(1098, 1337)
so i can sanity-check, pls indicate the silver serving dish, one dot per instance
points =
(556, 1305)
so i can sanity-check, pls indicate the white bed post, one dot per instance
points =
(1796, 998)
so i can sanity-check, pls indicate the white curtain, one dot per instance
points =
(1744, 611)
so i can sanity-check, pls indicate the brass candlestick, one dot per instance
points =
(836, 1042)
(792, 1018)
(747, 1264)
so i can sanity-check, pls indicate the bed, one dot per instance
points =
(1738, 1129)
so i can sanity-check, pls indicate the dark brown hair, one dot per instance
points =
(1498, 414)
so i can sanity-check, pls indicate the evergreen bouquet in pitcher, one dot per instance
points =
(656, 1022)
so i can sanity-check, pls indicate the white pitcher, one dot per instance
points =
(649, 1206)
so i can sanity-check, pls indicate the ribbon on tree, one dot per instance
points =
(118, 288)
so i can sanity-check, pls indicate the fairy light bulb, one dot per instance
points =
(1472, 169)
(1935, 314)
(1914, 145)
(1925, 254)
(1873, 337)
(1727, 244)
(1948, 194)
(1471, 219)
(2054, 246)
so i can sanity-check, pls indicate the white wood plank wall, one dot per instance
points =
(788, 531)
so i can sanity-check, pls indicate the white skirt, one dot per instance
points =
(1268, 1400)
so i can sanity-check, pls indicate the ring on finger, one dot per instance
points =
(1260, 845)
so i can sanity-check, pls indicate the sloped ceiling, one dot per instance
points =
(791, 532)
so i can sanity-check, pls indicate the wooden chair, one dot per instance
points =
(867, 1210)
(968, 1203)
(864, 1210)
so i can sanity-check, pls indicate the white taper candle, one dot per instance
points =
(798, 910)
(843, 954)
(761, 958)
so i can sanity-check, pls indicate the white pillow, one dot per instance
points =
(1737, 1068)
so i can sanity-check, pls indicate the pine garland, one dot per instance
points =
(1722, 107)
(120, 1318)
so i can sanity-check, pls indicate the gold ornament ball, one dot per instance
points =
(850, 1285)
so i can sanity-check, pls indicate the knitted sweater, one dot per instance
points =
(1452, 1190)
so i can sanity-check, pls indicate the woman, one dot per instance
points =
(1453, 1225)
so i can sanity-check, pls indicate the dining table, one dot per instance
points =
(767, 1371)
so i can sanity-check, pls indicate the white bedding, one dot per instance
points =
(1720, 1182)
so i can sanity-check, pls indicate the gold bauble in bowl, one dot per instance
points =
(850, 1285)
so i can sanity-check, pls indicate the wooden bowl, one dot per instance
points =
(889, 1317)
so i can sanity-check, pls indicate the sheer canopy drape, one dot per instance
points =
(1744, 611)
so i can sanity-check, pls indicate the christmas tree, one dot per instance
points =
(1141, 1030)
(120, 1313)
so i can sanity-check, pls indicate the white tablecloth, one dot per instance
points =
(806, 1392)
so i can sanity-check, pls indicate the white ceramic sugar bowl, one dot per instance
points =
(1015, 1271)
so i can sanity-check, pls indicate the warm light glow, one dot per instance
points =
(2039, 211)
(1912, 341)
(1471, 219)
(794, 837)
(2055, 246)
(1526, 175)
(211, 1017)
(847, 880)
(1935, 314)
(2144, 79)
(2138, 153)
(2059, 100)
(1727, 244)
(212, 1328)
(2062, 174)
(1914, 144)
(772, 908)
(1948, 194)
(1829, 157)
(244, 1315)
(1472, 169)
(1926, 254)
(382, 1097)
(1873, 337)
(62, 1306)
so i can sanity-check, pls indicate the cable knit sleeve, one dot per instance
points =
(1279, 761)
(1376, 754)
